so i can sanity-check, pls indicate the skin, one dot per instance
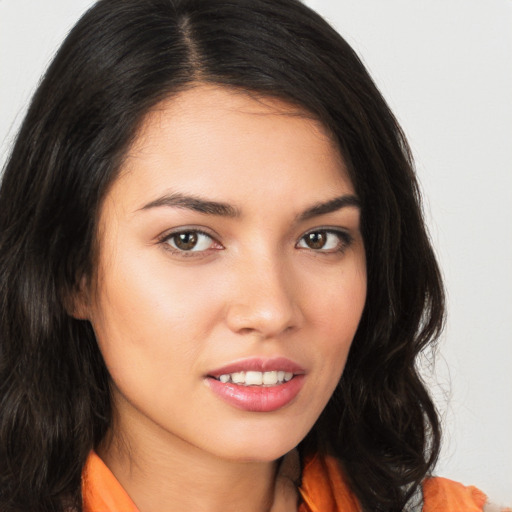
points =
(252, 287)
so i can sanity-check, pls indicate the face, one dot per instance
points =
(231, 276)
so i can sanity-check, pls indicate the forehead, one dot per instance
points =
(215, 140)
(198, 103)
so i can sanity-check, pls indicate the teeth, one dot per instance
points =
(238, 378)
(253, 378)
(257, 378)
(269, 378)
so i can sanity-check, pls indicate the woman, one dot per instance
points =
(213, 257)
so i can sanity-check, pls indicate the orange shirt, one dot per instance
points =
(101, 492)
(323, 490)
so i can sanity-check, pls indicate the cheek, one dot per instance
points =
(152, 319)
(337, 312)
(338, 295)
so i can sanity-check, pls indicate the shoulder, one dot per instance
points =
(442, 494)
(325, 487)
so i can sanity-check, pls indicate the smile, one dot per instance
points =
(254, 378)
(257, 384)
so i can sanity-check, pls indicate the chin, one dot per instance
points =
(260, 447)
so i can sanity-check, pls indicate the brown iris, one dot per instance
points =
(185, 241)
(316, 240)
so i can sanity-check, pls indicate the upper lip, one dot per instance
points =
(259, 364)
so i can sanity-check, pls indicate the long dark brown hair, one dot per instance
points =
(122, 58)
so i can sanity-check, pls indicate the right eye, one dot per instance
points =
(189, 241)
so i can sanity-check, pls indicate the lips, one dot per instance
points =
(259, 365)
(257, 384)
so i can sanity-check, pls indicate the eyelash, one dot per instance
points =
(344, 241)
(167, 238)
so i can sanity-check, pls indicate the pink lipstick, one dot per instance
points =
(257, 384)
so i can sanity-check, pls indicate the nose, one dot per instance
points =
(265, 298)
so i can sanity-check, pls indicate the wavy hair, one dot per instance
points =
(120, 60)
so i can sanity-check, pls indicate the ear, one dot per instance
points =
(77, 300)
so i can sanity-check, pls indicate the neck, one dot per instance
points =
(175, 476)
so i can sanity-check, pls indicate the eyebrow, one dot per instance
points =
(330, 206)
(194, 203)
(209, 207)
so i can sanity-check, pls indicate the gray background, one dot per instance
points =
(445, 67)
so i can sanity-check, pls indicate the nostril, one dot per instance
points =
(246, 330)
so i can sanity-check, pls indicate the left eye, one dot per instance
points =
(323, 240)
(190, 241)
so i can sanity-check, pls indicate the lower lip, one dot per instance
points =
(257, 398)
